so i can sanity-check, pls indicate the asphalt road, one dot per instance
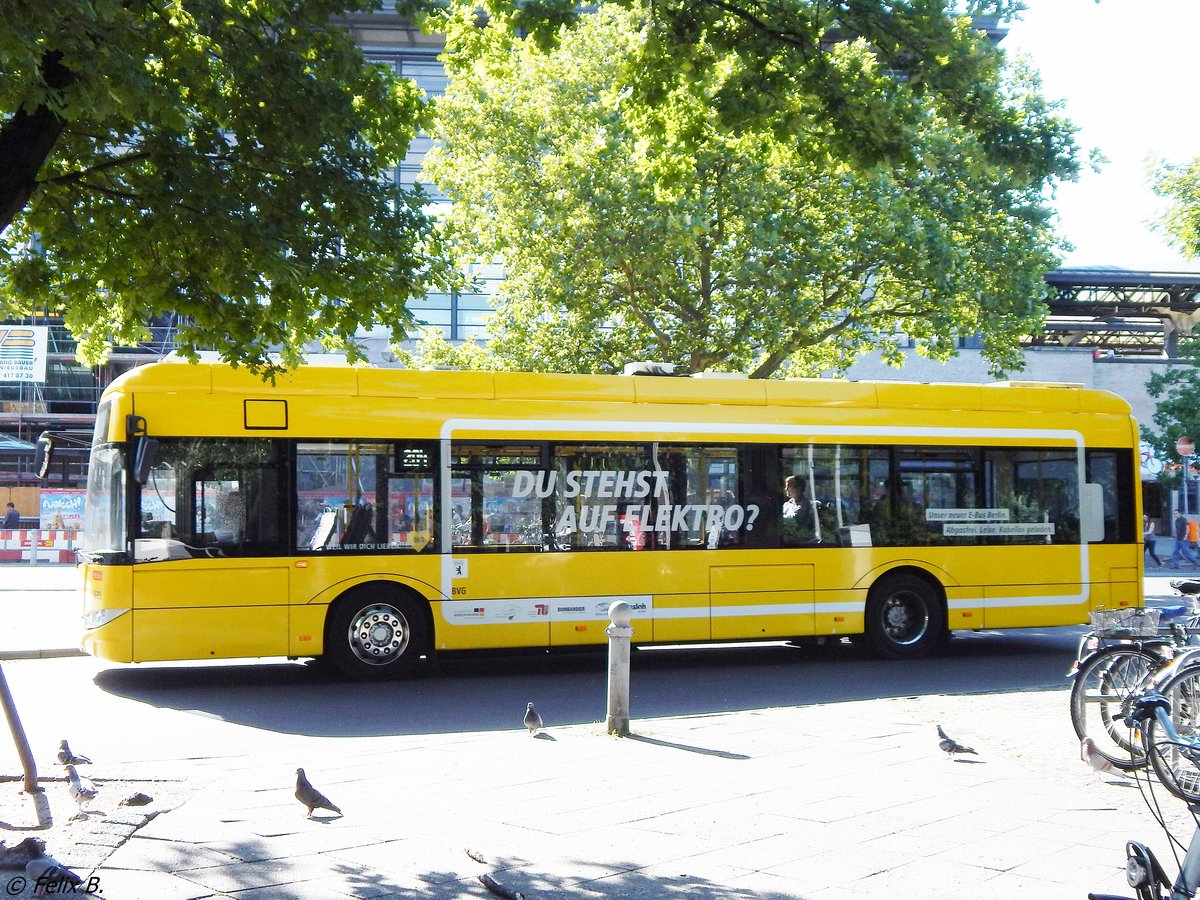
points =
(479, 693)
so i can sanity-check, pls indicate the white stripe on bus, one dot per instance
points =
(765, 430)
(725, 612)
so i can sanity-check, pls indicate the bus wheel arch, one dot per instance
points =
(905, 614)
(377, 630)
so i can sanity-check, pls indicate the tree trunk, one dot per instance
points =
(26, 141)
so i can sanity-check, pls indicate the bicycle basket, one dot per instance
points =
(1126, 623)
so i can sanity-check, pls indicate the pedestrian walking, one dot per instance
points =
(1181, 551)
(1150, 539)
(12, 518)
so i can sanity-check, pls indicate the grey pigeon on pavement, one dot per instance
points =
(950, 745)
(532, 720)
(49, 876)
(16, 856)
(67, 758)
(1089, 753)
(82, 790)
(310, 796)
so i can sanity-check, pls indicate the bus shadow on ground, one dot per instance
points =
(489, 692)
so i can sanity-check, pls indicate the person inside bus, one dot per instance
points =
(797, 514)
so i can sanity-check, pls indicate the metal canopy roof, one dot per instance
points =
(1127, 311)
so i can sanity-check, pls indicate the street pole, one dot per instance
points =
(1187, 468)
(18, 733)
(1186, 448)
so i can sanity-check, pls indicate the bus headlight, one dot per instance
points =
(100, 617)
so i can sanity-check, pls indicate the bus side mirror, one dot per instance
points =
(1091, 513)
(144, 458)
(43, 454)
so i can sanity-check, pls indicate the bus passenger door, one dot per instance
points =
(761, 601)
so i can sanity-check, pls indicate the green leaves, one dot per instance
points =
(634, 224)
(1176, 394)
(224, 160)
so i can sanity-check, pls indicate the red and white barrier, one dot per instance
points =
(52, 546)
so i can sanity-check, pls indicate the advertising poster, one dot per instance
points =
(62, 510)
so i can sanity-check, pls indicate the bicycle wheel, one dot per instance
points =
(1104, 689)
(1179, 773)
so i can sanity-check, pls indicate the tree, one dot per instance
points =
(860, 74)
(1180, 185)
(223, 160)
(634, 224)
(1176, 394)
(1176, 390)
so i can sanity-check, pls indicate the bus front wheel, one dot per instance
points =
(375, 634)
(904, 617)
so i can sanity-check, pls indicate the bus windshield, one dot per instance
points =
(104, 512)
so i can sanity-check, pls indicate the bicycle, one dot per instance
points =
(1118, 659)
(1153, 713)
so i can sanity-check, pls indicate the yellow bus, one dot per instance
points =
(373, 516)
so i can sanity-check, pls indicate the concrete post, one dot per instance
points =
(619, 634)
(34, 540)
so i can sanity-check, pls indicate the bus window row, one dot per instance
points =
(273, 496)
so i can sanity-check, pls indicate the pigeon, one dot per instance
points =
(310, 796)
(16, 856)
(49, 876)
(950, 745)
(498, 889)
(67, 758)
(82, 790)
(1089, 753)
(532, 720)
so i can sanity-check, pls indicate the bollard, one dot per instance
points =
(33, 546)
(619, 634)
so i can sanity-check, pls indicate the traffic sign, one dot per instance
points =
(1185, 447)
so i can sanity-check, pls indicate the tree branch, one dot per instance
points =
(73, 177)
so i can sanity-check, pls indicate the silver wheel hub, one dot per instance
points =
(905, 618)
(379, 634)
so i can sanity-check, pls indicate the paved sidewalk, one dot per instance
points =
(833, 801)
(40, 611)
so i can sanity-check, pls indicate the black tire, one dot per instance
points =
(906, 617)
(1103, 691)
(376, 633)
(1179, 774)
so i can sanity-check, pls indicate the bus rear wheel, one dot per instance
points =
(375, 634)
(905, 617)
